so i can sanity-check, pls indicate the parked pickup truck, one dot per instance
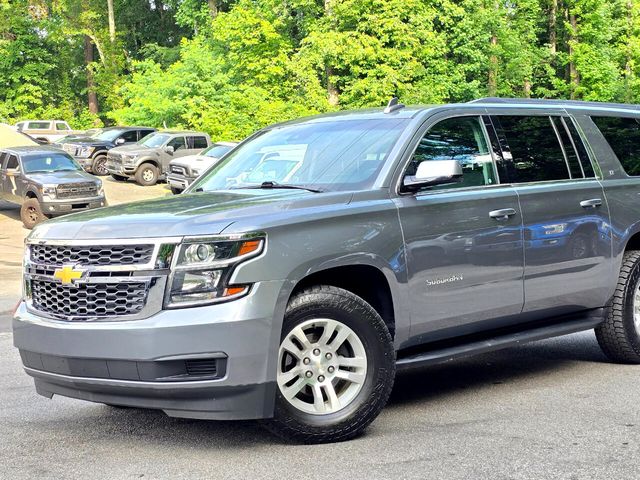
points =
(46, 130)
(184, 170)
(293, 292)
(148, 160)
(91, 152)
(46, 182)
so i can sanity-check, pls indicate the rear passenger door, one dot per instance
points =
(196, 143)
(463, 241)
(567, 240)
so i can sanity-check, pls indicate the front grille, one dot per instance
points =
(77, 190)
(202, 367)
(89, 299)
(91, 255)
(178, 170)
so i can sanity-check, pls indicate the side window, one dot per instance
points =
(130, 136)
(573, 161)
(623, 135)
(144, 133)
(461, 139)
(534, 148)
(12, 163)
(38, 126)
(198, 142)
(61, 126)
(177, 143)
(580, 148)
(3, 157)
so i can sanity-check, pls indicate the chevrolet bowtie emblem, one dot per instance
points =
(67, 274)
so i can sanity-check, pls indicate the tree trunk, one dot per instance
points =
(628, 71)
(553, 34)
(574, 77)
(332, 90)
(527, 88)
(213, 8)
(492, 81)
(91, 87)
(112, 21)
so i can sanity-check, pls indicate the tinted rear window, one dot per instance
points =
(623, 135)
(534, 148)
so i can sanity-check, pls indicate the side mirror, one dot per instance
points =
(169, 150)
(433, 172)
(120, 141)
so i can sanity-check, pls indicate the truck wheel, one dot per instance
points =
(619, 334)
(31, 213)
(99, 166)
(118, 178)
(147, 174)
(336, 367)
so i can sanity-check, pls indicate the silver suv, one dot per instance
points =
(148, 160)
(322, 255)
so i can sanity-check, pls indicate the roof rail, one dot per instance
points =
(544, 101)
(393, 105)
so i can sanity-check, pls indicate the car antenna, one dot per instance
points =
(393, 105)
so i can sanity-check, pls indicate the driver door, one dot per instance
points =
(463, 240)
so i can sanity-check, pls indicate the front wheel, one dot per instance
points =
(336, 367)
(147, 174)
(176, 191)
(99, 166)
(619, 334)
(31, 213)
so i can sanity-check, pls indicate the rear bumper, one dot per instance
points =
(141, 363)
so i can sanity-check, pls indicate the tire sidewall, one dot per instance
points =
(140, 174)
(24, 216)
(380, 362)
(628, 320)
(97, 161)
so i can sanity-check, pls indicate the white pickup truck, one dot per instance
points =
(47, 130)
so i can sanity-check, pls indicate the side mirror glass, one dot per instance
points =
(120, 141)
(169, 150)
(433, 172)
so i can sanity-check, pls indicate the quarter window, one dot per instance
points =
(534, 148)
(623, 135)
(461, 139)
(61, 126)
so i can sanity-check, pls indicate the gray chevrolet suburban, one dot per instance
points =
(291, 281)
(46, 183)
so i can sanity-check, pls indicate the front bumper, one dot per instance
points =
(118, 168)
(179, 182)
(60, 207)
(93, 360)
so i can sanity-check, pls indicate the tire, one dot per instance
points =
(361, 384)
(176, 191)
(99, 166)
(619, 334)
(119, 178)
(147, 174)
(31, 213)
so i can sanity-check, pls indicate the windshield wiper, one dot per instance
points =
(276, 185)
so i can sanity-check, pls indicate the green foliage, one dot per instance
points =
(230, 67)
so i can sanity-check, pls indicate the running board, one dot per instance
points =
(496, 343)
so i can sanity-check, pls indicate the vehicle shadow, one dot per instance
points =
(10, 210)
(420, 386)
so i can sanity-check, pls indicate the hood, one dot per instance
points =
(194, 161)
(56, 178)
(186, 214)
(73, 139)
(90, 142)
(133, 148)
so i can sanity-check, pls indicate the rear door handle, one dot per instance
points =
(502, 214)
(593, 203)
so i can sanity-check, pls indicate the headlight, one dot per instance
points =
(196, 172)
(202, 270)
(86, 151)
(49, 190)
(130, 159)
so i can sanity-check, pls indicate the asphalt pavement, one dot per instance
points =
(551, 409)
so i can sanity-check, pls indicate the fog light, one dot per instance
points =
(51, 209)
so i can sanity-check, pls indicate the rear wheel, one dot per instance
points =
(31, 213)
(99, 166)
(336, 367)
(118, 178)
(147, 174)
(619, 334)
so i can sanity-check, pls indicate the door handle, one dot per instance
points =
(593, 203)
(502, 214)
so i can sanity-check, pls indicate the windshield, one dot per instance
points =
(216, 151)
(329, 155)
(108, 135)
(49, 162)
(154, 140)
